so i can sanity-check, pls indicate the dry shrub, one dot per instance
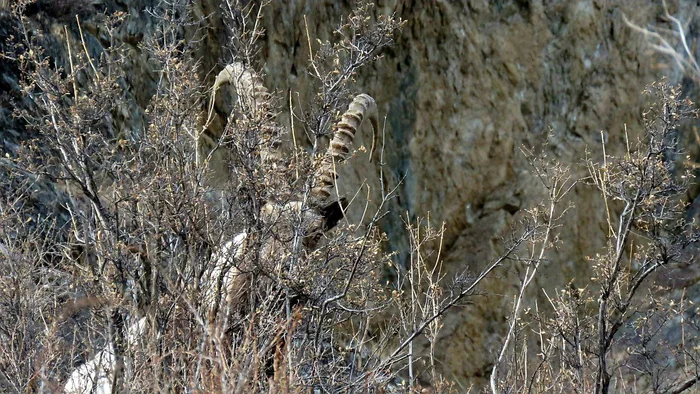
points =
(163, 275)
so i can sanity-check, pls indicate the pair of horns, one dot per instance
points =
(252, 93)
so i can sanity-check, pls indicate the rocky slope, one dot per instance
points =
(466, 85)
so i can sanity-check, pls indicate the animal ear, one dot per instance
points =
(333, 212)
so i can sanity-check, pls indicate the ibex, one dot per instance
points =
(318, 212)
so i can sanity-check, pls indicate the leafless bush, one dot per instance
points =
(161, 299)
(672, 41)
(158, 273)
(628, 330)
(175, 285)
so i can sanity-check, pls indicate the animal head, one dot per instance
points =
(304, 217)
(321, 211)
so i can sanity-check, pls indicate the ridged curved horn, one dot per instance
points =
(363, 106)
(251, 94)
(247, 83)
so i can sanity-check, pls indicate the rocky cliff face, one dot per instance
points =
(466, 85)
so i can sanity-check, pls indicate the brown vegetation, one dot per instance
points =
(200, 255)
